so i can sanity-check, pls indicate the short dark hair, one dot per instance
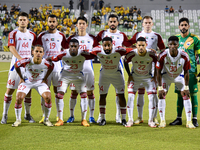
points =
(52, 16)
(24, 14)
(147, 17)
(107, 39)
(141, 39)
(82, 18)
(113, 16)
(74, 41)
(38, 45)
(183, 19)
(173, 38)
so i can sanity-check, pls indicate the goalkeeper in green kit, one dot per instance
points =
(189, 43)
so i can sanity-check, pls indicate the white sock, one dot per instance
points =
(156, 105)
(72, 104)
(27, 104)
(60, 107)
(56, 101)
(140, 104)
(102, 109)
(47, 111)
(42, 105)
(123, 112)
(117, 106)
(18, 111)
(151, 107)
(7, 102)
(188, 108)
(130, 105)
(91, 103)
(84, 105)
(161, 108)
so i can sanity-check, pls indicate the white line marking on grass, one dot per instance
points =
(4, 71)
(3, 82)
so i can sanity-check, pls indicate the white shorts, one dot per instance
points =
(40, 87)
(54, 77)
(77, 80)
(89, 80)
(146, 83)
(14, 79)
(179, 82)
(116, 79)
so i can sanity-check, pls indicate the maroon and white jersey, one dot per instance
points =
(142, 65)
(52, 43)
(22, 42)
(86, 42)
(119, 38)
(34, 72)
(153, 39)
(109, 62)
(71, 64)
(173, 66)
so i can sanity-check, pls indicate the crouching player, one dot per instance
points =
(140, 76)
(173, 62)
(37, 70)
(72, 60)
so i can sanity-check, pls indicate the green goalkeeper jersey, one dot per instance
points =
(191, 45)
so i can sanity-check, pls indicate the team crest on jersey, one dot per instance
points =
(179, 64)
(108, 57)
(80, 61)
(141, 62)
(24, 38)
(11, 41)
(88, 41)
(19, 39)
(46, 40)
(58, 40)
(147, 62)
(30, 39)
(188, 43)
(42, 71)
(152, 38)
(115, 56)
(73, 61)
(118, 37)
(52, 39)
(82, 41)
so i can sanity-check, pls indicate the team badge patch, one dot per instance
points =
(82, 41)
(115, 56)
(152, 38)
(141, 62)
(108, 57)
(118, 37)
(73, 61)
(11, 41)
(52, 39)
(80, 61)
(24, 38)
(30, 39)
(88, 41)
(58, 40)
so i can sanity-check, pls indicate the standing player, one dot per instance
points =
(154, 41)
(52, 40)
(72, 60)
(86, 42)
(110, 73)
(140, 76)
(119, 39)
(174, 64)
(20, 42)
(36, 72)
(189, 43)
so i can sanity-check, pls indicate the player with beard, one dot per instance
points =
(52, 40)
(189, 43)
(118, 39)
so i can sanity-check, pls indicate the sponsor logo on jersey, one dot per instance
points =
(173, 63)
(11, 41)
(46, 40)
(73, 61)
(19, 38)
(36, 70)
(82, 41)
(24, 38)
(52, 39)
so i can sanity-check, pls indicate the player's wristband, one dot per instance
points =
(186, 87)
(160, 88)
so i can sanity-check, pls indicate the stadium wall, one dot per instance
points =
(144, 5)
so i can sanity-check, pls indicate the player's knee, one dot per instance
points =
(74, 92)
(83, 95)
(90, 93)
(121, 97)
(60, 95)
(19, 98)
(141, 91)
(47, 97)
(10, 91)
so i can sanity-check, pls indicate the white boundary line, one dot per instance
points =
(4, 71)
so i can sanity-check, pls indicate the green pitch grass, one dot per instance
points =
(74, 136)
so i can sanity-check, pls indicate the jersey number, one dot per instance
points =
(101, 88)
(108, 61)
(83, 47)
(52, 45)
(173, 68)
(25, 45)
(35, 75)
(11, 83)
(74, 66)
(21, 87)
(141, 67)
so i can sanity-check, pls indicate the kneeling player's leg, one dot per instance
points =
(140, 102)
(122, 103)
(102, 106)
(130, 103)
(18, 104)
(73, 99)
(60, 104)
(84, 105)
(47, 98)
(91, 102)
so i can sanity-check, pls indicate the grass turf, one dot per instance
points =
(74, 136)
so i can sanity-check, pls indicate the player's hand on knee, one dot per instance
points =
(21, 81)
(185, 93)
(161, 94)
(154, 79)
(130, 78)
(44, 81)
